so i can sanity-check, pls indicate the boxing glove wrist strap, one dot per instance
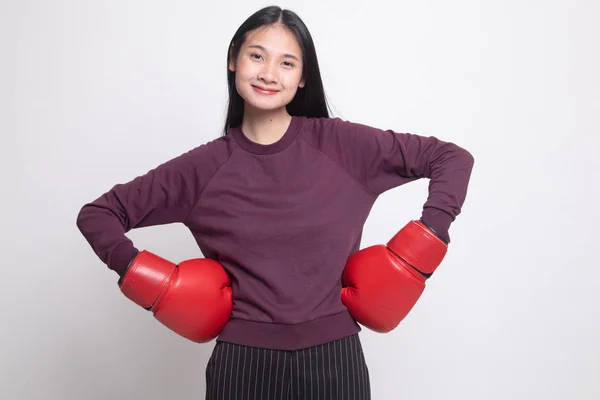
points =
(146, 277)
(419, 246)
(120, 281)
(434, 231)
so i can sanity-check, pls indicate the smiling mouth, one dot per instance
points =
(264, 91)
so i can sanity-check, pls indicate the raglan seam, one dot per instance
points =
(185, 221)
(339, 166)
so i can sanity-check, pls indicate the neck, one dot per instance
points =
(265, 127)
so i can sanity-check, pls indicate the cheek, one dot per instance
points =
(246, 68)
(293, 79)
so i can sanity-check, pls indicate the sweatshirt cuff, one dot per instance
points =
(439, 221)
(121, 257)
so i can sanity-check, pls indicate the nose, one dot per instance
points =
(268, 73)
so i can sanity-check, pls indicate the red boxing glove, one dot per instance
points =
(381, 284)
(193, 299)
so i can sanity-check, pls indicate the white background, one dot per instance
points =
(94, 93)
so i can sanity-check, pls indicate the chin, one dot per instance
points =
(266, 104)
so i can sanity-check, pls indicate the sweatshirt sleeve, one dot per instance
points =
(163, 195)
(383, 159)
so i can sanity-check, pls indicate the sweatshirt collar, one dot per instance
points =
(257, 148)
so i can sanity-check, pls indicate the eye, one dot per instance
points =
(288, 64)
(255, 56)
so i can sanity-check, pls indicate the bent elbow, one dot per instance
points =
(80, 220)
(469, 158)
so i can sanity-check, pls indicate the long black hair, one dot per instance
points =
(309, 101)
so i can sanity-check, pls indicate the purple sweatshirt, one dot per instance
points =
(281, 218)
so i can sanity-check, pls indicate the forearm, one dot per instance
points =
(105, 233)
(450, 172)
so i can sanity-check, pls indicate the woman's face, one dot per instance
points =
(268, 70)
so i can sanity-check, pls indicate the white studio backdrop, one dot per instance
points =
(95, 93)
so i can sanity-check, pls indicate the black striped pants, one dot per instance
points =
(332, 371)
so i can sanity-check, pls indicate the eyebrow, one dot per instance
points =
(258, 46)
